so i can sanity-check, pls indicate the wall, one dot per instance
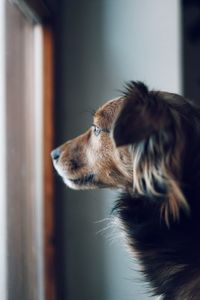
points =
(101, 45)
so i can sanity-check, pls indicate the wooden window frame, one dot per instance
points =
(41, 13)
(49, 217)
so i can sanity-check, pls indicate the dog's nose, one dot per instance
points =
(55, 154)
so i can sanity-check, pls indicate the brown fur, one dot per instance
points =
(97, 154)
(122, 167)
(147, 144)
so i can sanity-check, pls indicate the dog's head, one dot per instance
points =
(136, 142)
(92, 159)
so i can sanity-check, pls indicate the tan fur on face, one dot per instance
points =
(90, 161)
(97, 155)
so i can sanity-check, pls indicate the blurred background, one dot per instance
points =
(59, 61)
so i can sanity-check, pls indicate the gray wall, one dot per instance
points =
(102, 44)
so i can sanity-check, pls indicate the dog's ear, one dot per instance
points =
(143, 114)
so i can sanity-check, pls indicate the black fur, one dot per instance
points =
(169, 255)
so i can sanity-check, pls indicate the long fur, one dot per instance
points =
(162, 216)
(148, 144)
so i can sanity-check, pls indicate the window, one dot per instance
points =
(27, 260)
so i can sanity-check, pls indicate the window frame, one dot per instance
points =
(42, 15)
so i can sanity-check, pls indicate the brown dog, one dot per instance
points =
(147, 144)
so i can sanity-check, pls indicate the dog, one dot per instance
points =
(147, 144)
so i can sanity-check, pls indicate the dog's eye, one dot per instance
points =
(96, 130)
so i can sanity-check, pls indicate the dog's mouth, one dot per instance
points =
(88, 181)
(84, 180)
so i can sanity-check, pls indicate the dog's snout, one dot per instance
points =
(75, 164)
(55, 154)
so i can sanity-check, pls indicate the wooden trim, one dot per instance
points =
(49, 226)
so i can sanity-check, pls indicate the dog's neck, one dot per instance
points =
(166, 260)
